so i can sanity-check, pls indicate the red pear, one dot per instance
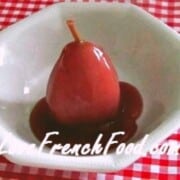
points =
(83, 86)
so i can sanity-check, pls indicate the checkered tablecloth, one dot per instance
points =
(148, 167)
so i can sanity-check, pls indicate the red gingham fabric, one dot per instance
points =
(165, 167)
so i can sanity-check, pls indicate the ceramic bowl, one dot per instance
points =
(145, 52)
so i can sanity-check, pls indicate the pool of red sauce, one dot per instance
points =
(42, 122)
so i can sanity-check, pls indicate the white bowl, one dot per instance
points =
(145, 52)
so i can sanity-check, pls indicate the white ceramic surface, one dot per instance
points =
(145, 52)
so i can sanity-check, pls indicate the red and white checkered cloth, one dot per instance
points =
(165, 167)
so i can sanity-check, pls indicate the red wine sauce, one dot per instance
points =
(42, 122)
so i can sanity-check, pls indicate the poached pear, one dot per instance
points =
(83, 85)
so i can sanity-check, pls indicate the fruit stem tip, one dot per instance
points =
(73, 30)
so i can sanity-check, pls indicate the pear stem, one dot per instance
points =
(73, 30)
